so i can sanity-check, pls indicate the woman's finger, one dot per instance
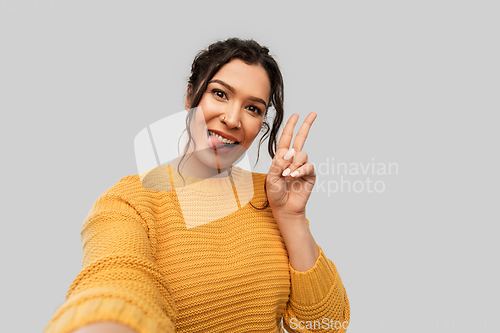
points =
(298, 160)
(301, 136)
(305, 170)
(287, 135)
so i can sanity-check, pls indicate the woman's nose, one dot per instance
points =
(232, 116)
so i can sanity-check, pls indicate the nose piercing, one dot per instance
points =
(239, 124)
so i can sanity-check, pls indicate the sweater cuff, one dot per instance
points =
(313, 286)
(69, 318)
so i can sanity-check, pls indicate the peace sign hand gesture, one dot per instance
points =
(291, 178)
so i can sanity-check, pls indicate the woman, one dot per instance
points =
(178, 249)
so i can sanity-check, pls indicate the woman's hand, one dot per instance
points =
(291, 178)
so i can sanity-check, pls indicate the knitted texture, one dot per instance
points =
(159, 256)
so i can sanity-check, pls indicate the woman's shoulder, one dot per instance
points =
(133, 184)
(158, 179)
(133, 190)
(144, 191)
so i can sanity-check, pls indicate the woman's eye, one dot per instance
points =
(254, 109)
(219, 93)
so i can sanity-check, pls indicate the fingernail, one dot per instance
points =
(286, 172)
(295, 173)
(289, 154)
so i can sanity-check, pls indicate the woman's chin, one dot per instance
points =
(217, 159)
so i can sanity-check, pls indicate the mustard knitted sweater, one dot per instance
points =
(169, 253)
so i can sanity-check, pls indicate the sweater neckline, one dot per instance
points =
(215, 185)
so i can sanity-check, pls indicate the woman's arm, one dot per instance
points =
(317, 293)
(120, 281)
(300, 245)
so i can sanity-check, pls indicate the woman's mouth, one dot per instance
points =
(218, 142)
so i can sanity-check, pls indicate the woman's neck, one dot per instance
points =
(195, 168)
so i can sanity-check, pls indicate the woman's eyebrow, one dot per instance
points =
(258, 100)
(231, 89)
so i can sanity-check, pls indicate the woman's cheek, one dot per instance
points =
(257, 129)
(208, 111)
(211, 109)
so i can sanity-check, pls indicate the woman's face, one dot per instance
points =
(233, 106)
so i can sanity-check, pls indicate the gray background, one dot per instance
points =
(413, 83)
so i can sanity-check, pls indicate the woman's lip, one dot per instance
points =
(214, 143)
(224, 135)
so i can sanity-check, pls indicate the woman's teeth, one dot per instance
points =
(221, 139)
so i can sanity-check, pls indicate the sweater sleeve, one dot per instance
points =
(318, 300)
(120, 280)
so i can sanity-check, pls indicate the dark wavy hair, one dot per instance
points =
(209, 61)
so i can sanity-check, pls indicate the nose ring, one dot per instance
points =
(239, 124)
